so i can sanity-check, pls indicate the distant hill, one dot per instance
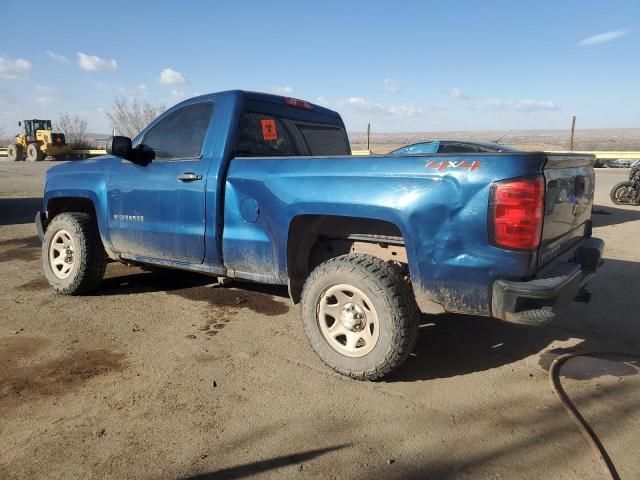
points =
(624, 139)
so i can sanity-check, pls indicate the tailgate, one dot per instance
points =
(570, 183)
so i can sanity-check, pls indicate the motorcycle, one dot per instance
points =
(628, 193)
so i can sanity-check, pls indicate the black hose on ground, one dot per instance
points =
(576, 416)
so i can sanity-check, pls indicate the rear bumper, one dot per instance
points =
(537, 301)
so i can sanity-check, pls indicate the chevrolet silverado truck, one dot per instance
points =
(264, 188)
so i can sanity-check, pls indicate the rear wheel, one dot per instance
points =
(359, 315)
(15, 152)
(34, 154)
(623, 194)
(73, 258)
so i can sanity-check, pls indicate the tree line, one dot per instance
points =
(128, 117)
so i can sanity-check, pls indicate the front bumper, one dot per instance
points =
(537, 301)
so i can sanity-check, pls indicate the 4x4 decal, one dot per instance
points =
(475, 165)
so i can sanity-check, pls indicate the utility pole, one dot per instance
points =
(573, 129)
(369, 136)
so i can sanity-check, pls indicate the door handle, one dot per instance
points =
(189, 177)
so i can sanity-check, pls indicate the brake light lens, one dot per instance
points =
(516, 213)
(294, 102)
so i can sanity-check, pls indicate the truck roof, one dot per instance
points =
(265, 97)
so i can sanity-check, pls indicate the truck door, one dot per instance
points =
(158, 210)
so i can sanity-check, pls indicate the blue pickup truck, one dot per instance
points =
(264, 188)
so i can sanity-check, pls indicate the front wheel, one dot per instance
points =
(623, 194)
(359, 315)
(73, 258)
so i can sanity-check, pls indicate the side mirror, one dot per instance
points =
(120, 147)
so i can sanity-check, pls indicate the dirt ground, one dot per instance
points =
(161, 375)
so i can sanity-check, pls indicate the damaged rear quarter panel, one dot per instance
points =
(442, 215)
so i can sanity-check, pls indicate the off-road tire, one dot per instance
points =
(15, 152)
(34, 154)
(394, 303)
(615, 189)
(90, 258)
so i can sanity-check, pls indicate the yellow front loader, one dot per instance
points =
(37, 142)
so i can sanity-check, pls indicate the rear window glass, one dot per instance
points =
(460, 148)
(267, 135)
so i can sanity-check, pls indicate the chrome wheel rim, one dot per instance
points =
(348, 320)
(61, 254)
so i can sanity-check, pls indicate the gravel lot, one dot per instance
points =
(161, 375)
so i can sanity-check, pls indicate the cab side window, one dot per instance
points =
(180, 135)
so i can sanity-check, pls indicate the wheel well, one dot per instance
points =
(314, 239)
(56, 206)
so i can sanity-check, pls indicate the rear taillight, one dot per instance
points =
(516, 213)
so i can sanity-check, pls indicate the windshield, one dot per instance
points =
(42, 125)
(418, 148)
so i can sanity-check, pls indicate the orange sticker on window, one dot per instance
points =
(269, 130)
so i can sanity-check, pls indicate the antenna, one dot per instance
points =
(503, 135)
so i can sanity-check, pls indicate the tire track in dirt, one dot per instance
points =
(224, 303)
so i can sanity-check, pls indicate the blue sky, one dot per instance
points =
(403, 66)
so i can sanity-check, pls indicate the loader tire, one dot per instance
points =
(34, 154)
(15, 152)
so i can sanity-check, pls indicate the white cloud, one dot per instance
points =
(168, 76)
(93, 63)
(46, 95)
(500, 104)
(14, 68)
(177, 95)
(362, 105)
(7, 98)
(405, 111)
(56, 57)
(392, 85)
(281, 90)
(603, 37)
(116, 89)
(321, 100)
(520, 105)
(459, 94)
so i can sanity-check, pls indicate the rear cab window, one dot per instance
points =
(268, 129)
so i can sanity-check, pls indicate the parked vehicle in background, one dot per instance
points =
(263, 188)
(451, 146)
(628, 193)
(620, 163)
